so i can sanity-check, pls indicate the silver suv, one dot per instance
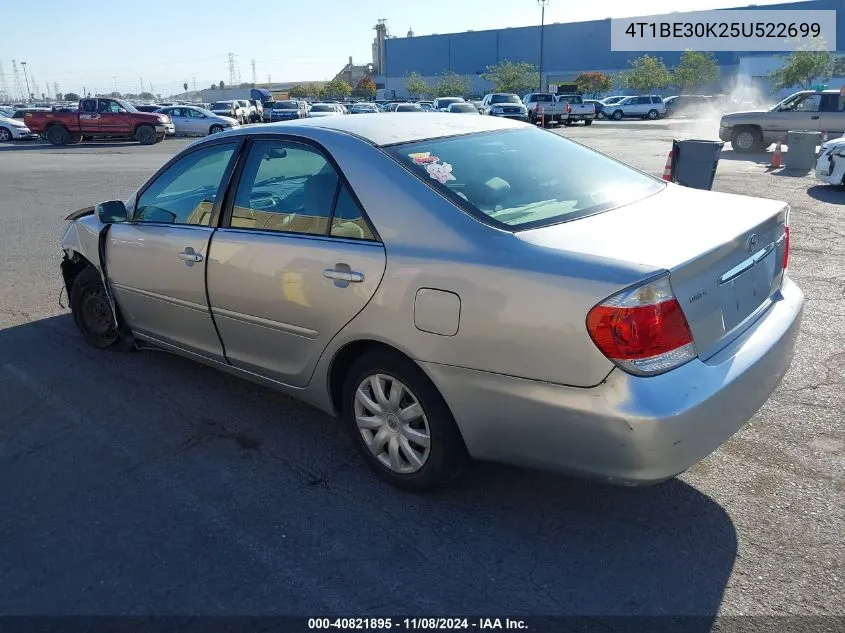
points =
(505, 105)
(640, 107)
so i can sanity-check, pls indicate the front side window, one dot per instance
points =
(185, 192)
(486, 174)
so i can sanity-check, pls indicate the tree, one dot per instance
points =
(838, 69)
(646, 74)
(315, 91)
(59, 96)
(337, 89)
(803, 66)
(71, 96)
(452, 84)
(513, 77)
(146, 96)
(297, 92)
(593, 82)
(696, 69)
(416, 85)
(185, 86)
(222, 84)
(115, 95)
(365, 88)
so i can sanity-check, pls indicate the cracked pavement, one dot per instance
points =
(147, 484)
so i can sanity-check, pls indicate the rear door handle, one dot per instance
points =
(349, 276)
(814, 117)
(190, 256)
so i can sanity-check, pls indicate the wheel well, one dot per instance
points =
(72, 265)
(50, 125)
(343, 360)
(140, 125)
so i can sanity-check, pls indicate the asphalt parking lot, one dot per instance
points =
(147, 484)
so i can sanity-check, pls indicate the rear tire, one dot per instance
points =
(419, 422)
(75, 139)
(57, 135)
(93, 315)
(588, 121)
(214, 129)
(617, 115)
(146, 135)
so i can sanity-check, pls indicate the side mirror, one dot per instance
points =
(112, 212)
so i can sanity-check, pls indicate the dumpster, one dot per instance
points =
(801, 149)
(694, 162)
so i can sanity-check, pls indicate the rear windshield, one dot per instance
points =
(505, 99)
(463, 107)
(322, 108)
(286, 105)
(542, 97)
(523, 179)
(221, 105)
(443, 103)
(408, 107)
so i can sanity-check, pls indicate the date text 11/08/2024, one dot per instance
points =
(414, 624)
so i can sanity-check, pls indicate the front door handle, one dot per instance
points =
(190, 256)
(349, 276)
(814, 117)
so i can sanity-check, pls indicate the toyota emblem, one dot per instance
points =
(751, 243)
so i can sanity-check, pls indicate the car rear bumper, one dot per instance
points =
(627, 430)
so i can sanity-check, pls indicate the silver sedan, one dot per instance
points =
(452, 287)
(194, 121)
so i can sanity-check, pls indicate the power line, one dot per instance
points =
(232, 76)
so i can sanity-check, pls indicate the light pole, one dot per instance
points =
(543, 4)
(28, 95)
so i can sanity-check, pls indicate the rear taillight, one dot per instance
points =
(786, 246)
(643, 329)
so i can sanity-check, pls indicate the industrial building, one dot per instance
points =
(568, 49)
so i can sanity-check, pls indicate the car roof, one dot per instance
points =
(390, 128)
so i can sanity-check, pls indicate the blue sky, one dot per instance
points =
(110, 45)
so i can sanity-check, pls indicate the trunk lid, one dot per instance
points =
(724, 253)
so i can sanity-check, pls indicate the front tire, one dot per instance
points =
(93, 314)
(214, 129)
(746, 139)
(75, 139)
(146, 135)
(57, 135)
(400, 423)
(5, 135)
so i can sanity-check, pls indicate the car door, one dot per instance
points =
(89, 118)
(157, 261)
(295, 259)
(833, 115)
(802, 112)
(114, 119)
(179, 118)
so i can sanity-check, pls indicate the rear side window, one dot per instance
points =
(291, 188)
(486, 175)
(656, 100)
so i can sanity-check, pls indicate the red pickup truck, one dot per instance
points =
(100, 118)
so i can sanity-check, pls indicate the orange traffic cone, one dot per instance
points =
(542, 117)
(667, 170)
(777, 159)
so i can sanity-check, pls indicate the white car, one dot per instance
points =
(830, 165)
(325, 109)
(14, 130)
(641, 107)
(194, 121)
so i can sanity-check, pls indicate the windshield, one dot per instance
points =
(286, 105)
(487, 175)
(408, 107)
(463, 107)
(126, 106)
(317, 107)
(445, 103)
(221, 105)
(505, 99)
